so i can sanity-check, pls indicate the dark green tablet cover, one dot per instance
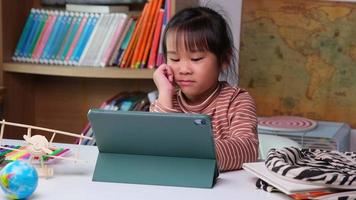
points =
(173, 149)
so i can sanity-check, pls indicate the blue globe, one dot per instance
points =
(18, 180)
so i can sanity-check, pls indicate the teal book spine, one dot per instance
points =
(25, 34)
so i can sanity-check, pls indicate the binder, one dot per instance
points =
(173, 149)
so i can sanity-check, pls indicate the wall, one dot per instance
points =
(353, 140)
(232, 9)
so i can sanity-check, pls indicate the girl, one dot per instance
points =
(198, 47)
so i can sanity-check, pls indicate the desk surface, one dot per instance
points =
(73, 181)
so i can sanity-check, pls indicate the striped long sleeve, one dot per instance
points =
(234, 122)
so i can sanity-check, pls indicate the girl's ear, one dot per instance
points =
(226, 63)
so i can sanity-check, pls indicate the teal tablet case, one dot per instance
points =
(172, 149)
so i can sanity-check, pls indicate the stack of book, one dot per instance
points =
(124, 101)
(293, 188)
(86, 38)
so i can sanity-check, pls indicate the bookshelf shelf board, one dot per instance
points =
(78, 71)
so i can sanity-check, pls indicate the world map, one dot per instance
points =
(299, 58)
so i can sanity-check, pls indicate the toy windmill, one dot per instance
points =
(39, 147)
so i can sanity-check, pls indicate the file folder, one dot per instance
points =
(173, 149)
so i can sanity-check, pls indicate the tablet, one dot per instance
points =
(154, 148)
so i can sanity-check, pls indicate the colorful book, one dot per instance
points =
(125, 43)
(91, 50)
(107, 37)
(67, 20)
(83, 40)
(105, 9)
(132, 44)
(72, 38)
(43, 16)
(142, 40)
(167, 15)
(155, 43)
(31, 38)
(68, 38)
(143, 58)
(121, 38)
(44, 35)
(49, 45)
(83, 22)
(121, 20)
(24, 35)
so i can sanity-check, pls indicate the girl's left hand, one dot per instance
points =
(164, 80)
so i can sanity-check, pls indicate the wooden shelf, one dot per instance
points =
(57, 96)
(78, 71)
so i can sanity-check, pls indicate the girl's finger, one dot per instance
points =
(169, 73)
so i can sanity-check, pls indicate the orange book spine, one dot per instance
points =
(148, 41)
(143, 58)
(153, 54)
(133, 40)
(145, 31)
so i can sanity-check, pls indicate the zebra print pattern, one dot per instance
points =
(323, 167)
(263, 185)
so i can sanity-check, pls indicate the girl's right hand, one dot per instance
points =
(164, 80)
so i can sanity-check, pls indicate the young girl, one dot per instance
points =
(198, 47)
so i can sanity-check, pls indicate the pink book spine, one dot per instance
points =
(76, 37)
(45, 35)
(169, 9)
(35, 54)
(109, 50)
(160, 56)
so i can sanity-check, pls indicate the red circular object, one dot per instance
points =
(286, 123)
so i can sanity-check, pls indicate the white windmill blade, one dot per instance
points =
(27, 139)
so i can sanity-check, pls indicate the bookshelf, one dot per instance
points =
(88, 72)
(57, 97)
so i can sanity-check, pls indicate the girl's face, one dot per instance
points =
(195, 72)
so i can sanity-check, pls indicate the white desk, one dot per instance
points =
(73, 181)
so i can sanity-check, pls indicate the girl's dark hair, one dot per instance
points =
(203, 29)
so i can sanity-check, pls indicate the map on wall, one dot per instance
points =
(298, 57)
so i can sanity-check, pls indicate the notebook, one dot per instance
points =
(286, 186)
(172, 149)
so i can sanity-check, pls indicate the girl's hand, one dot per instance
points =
(164, 80)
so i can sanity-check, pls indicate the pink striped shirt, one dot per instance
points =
(234, 121)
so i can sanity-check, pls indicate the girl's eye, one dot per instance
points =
(174, 60)
(196, 59)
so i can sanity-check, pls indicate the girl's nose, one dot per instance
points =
(185, 68)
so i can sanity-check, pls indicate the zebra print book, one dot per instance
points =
(332, 169)
(284, 185)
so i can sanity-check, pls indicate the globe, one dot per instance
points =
(18, 180)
